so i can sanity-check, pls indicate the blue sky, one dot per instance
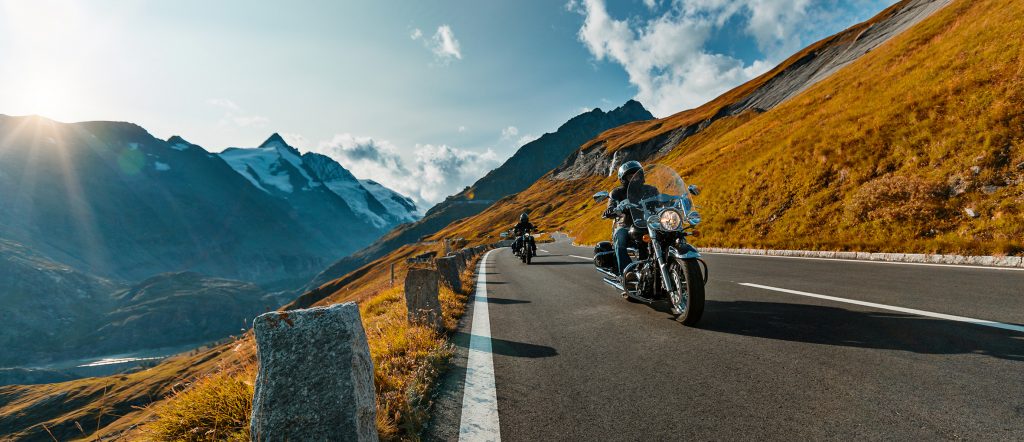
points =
(424, 97)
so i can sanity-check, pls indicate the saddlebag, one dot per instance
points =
(605, 260)
(604, 256)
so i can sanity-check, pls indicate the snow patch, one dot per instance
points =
(161, 166)
(262, 166)
(180, 146)
(355, 196)
(133, 146)
(399, 205)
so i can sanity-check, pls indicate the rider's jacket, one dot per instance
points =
(619, 194)
(522, 228)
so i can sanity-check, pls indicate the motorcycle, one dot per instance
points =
(665, 266)
(522, 248)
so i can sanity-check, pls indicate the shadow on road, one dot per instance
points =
(558, 263)
(491, 300)
(508, 348)
(838, 326)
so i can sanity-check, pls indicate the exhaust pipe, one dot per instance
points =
(614, 283)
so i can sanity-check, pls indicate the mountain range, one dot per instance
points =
(530, 162)
(93, 209)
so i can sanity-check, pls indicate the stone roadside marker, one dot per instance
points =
(315, 380)
(421, 297)
(448, 268)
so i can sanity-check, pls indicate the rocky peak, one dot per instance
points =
(325, 168)
(277, 141)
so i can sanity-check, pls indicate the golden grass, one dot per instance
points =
(110, 406)
(407, 359)
(214, 408)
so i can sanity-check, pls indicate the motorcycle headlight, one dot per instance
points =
(693, 218)
(670, 220)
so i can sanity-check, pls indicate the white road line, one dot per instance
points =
(927, 264)
(582, 257)
(545, 251)
(982, 322)
(480, 399)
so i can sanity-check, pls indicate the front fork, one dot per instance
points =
(663, 264)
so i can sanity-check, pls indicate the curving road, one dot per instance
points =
(787, 349)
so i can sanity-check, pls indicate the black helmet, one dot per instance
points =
(628, 169)
(524, 218)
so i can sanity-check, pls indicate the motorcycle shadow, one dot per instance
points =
(557, 263)
(505, 347)
(829, 325)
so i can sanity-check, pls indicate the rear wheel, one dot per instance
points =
(688, 300)
(527, 257)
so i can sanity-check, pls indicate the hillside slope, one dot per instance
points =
(531, 161)
(916, 146)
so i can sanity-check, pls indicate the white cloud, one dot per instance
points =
(666, 57)
(462, 129)
(509, 132)
(434, 172)
(443, 43)
(295, 140)
(525, 139)
(223, 103)
(233, 114)
(250, 120)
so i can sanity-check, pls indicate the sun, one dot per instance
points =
(44, 44)
(47, 96)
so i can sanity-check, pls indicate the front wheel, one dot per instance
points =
(688, 299)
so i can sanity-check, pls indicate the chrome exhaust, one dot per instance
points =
(613, 283)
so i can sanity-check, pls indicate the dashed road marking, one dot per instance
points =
(982, 322)
(865, 261)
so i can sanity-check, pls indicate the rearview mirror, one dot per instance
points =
(694, 190)
(600, 196)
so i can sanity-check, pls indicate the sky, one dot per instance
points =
(424, 97)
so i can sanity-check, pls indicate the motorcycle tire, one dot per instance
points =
(686, 273)
(528, 258)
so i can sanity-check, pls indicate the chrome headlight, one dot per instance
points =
(670, 219)
(693, 218)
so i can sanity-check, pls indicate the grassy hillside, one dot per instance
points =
(206, 395)
(892, 153)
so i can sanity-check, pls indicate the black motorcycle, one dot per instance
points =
(665, 266)
(522, 248)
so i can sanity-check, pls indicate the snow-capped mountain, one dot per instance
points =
(400, 206)
(383, 207)
(273, 167)
(282, 171)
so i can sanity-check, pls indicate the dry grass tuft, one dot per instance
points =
(215, 407)
(407, 360)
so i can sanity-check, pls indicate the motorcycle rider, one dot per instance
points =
(524, 227)
(631, 173)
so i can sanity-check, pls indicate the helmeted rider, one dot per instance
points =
(631, 176)
(524, 227)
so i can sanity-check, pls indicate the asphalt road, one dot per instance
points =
(572, 360)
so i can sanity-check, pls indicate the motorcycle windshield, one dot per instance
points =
(659, 186)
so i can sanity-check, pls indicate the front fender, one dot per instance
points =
(687, 252)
